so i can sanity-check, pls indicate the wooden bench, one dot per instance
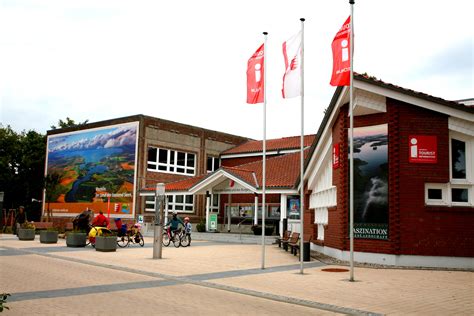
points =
(286, 236)
(296, 247)
(292, 240)
(43, 225)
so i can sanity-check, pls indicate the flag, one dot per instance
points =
(255, 73)
(292, 77)
(341, 67)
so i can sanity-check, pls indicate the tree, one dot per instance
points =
(51, 186)
(68, 123)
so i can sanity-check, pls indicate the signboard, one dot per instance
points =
(213, 222)
(97, 170)
(230, 187)
(140, 219)
(422, 149)
(335, 156)
(293, 207)
(371, 182)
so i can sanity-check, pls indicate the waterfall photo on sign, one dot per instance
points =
(371, 182)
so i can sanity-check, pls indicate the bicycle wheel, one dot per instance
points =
(166, 239)
(122, 241)
(142, 241)
(177, 240)
(185, 240)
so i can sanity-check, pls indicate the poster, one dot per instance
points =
(293, 205)
(371, 182)
(96, 169)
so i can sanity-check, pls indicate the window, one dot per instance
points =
(213, 163)
(171, 161)
(214, 207)
(179, 203)
(459, 195)
(458, 159)
(435, 194)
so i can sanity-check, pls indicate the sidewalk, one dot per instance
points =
(232, 272)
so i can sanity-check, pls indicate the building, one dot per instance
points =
(103, 165)
(414, 177)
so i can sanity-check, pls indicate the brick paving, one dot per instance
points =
(214, 278)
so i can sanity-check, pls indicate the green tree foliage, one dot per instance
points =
(68, 123)
(51, 186)
(22, 168)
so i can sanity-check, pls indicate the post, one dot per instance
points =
(158, 229)
(255, 215)
(302, 150)
(166, 210)
(264, 144)
(208, 204)
(351, 176)
(229, 213)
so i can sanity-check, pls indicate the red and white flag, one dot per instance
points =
(341, 67)
(255, 73)
(292, 77)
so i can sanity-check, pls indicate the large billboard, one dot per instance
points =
(371, 182)
(97, 170)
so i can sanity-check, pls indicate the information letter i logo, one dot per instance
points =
(413, 148)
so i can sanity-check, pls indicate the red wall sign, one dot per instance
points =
(335, 156)
(422, 149)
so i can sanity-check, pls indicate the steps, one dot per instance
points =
(229, 238)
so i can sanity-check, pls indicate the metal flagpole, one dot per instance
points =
(264, 144)
(302, 150)
(351, 176)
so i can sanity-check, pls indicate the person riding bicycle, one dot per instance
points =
(81, 221)
(174, 224)
(188, 228)
(100, 220)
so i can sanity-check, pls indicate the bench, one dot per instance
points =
(296, 247)
(43, 225)
(292, 240)
(286, 236)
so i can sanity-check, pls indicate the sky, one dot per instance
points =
(186, 60)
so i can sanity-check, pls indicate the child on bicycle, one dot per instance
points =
(188, 228)
(174, 224)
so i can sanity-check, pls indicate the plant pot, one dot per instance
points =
(106, 244)
(48, 237)
(26, 234)
(76, 239)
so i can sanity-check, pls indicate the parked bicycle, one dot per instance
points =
(126, 236)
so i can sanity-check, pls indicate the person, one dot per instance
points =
(81, 221)
(20, 218)
(100, 220)
(174, 224)
(188, 228)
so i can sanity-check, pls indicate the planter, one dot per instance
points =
(106, 244)
(76, 239)
(26, 234)
(257, 230)
(48, 237)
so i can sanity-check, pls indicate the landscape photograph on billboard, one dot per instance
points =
(371, 182)
(96, 170)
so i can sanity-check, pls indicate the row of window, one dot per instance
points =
(183, 203)
(178, 162)
(460, 190)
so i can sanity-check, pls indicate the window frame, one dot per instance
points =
(171, 166)
(171, 205)
(214, 159)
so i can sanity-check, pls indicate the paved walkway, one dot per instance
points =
(212, 278)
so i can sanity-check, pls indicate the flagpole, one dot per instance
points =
(264, 144)
(351, 176)
(302, 150)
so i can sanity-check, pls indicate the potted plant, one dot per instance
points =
(49, 236)
(201, 227)
(76, 238)
(26, 231)
(106, 242)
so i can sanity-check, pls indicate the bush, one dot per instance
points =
(28, 225)
(201, 227)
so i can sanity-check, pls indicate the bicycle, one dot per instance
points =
(168, 237)
(132, 235)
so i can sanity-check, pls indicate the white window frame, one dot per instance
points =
(214, 159)
(212, 208)
(150, 200)
(447, 199)
(469, 141)
(168, 165)
(444, 193)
